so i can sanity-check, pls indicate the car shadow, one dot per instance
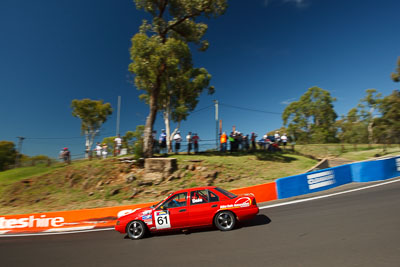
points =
(258, 220)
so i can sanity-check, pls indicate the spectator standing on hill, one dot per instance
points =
(253, 141)
(284, 140)
(246, 142)
(163, 142)
(223, 140)
(98, 150)
(104, 150)
(118, 145)
(178, 140)
(66, 155)
(196, 140)
(189, 141)
(277, 137)
(231, 142)
(265, 141)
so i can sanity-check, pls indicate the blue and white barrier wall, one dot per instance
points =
(332, 177)
(376, 170)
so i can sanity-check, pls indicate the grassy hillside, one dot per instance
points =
(348, 151)
(108, 182)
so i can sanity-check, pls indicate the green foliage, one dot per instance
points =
(396, 75)
(133, 140)
(312, 118)
(352, 129)
(109, 141)
(7, 154)
(161, 57)
(368, 106)
(93, 113)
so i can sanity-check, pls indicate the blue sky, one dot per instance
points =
(263, 54)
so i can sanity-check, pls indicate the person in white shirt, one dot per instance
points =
(178, 140)
(277, 137)
(118, 144)
(98, 150)
(284, 140)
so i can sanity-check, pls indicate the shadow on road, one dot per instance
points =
(258, 220)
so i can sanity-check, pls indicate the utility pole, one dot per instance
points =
(19, 150)
(216, 124)
(118, 114)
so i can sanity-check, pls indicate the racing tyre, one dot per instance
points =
(136, 230)
(225, 220)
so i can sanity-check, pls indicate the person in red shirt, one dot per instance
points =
(195, 140)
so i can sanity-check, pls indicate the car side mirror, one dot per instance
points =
(163, 208)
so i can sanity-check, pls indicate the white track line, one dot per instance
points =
(263, 207)
(325, 196)
(68, 229)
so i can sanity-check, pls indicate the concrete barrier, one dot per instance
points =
(313, 181)
(376, 170)
(366, 171)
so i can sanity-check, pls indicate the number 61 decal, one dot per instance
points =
(162, 219)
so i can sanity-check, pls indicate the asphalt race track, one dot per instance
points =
(360, 228)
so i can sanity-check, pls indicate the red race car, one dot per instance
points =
(189, 208)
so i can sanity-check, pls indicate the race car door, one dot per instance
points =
(173, 213)
(203, 205)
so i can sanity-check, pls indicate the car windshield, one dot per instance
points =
(226, 193)
(153, 206)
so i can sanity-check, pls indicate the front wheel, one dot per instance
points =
(225, 220)
(136, 230)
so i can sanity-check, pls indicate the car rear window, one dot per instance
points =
(226, 193)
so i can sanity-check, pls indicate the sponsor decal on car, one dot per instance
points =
(321, 179)
(239, 203)
(148, 219)
(146, 212)
(197, 200)
(398, 164)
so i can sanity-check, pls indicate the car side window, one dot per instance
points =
(199, 197)
(213, 197)
(178, 200)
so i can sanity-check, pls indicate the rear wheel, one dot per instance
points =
(136, 229)
(225, 220)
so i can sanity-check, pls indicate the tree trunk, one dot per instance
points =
(370, 133)
(148, 129)
(168, 128)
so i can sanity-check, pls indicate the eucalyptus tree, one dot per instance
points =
(312, 118)
(182, 97)
(93, 113)
(160, 50)
(387, 126)
(368, 106)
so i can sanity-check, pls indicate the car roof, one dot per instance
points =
(195, 188)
